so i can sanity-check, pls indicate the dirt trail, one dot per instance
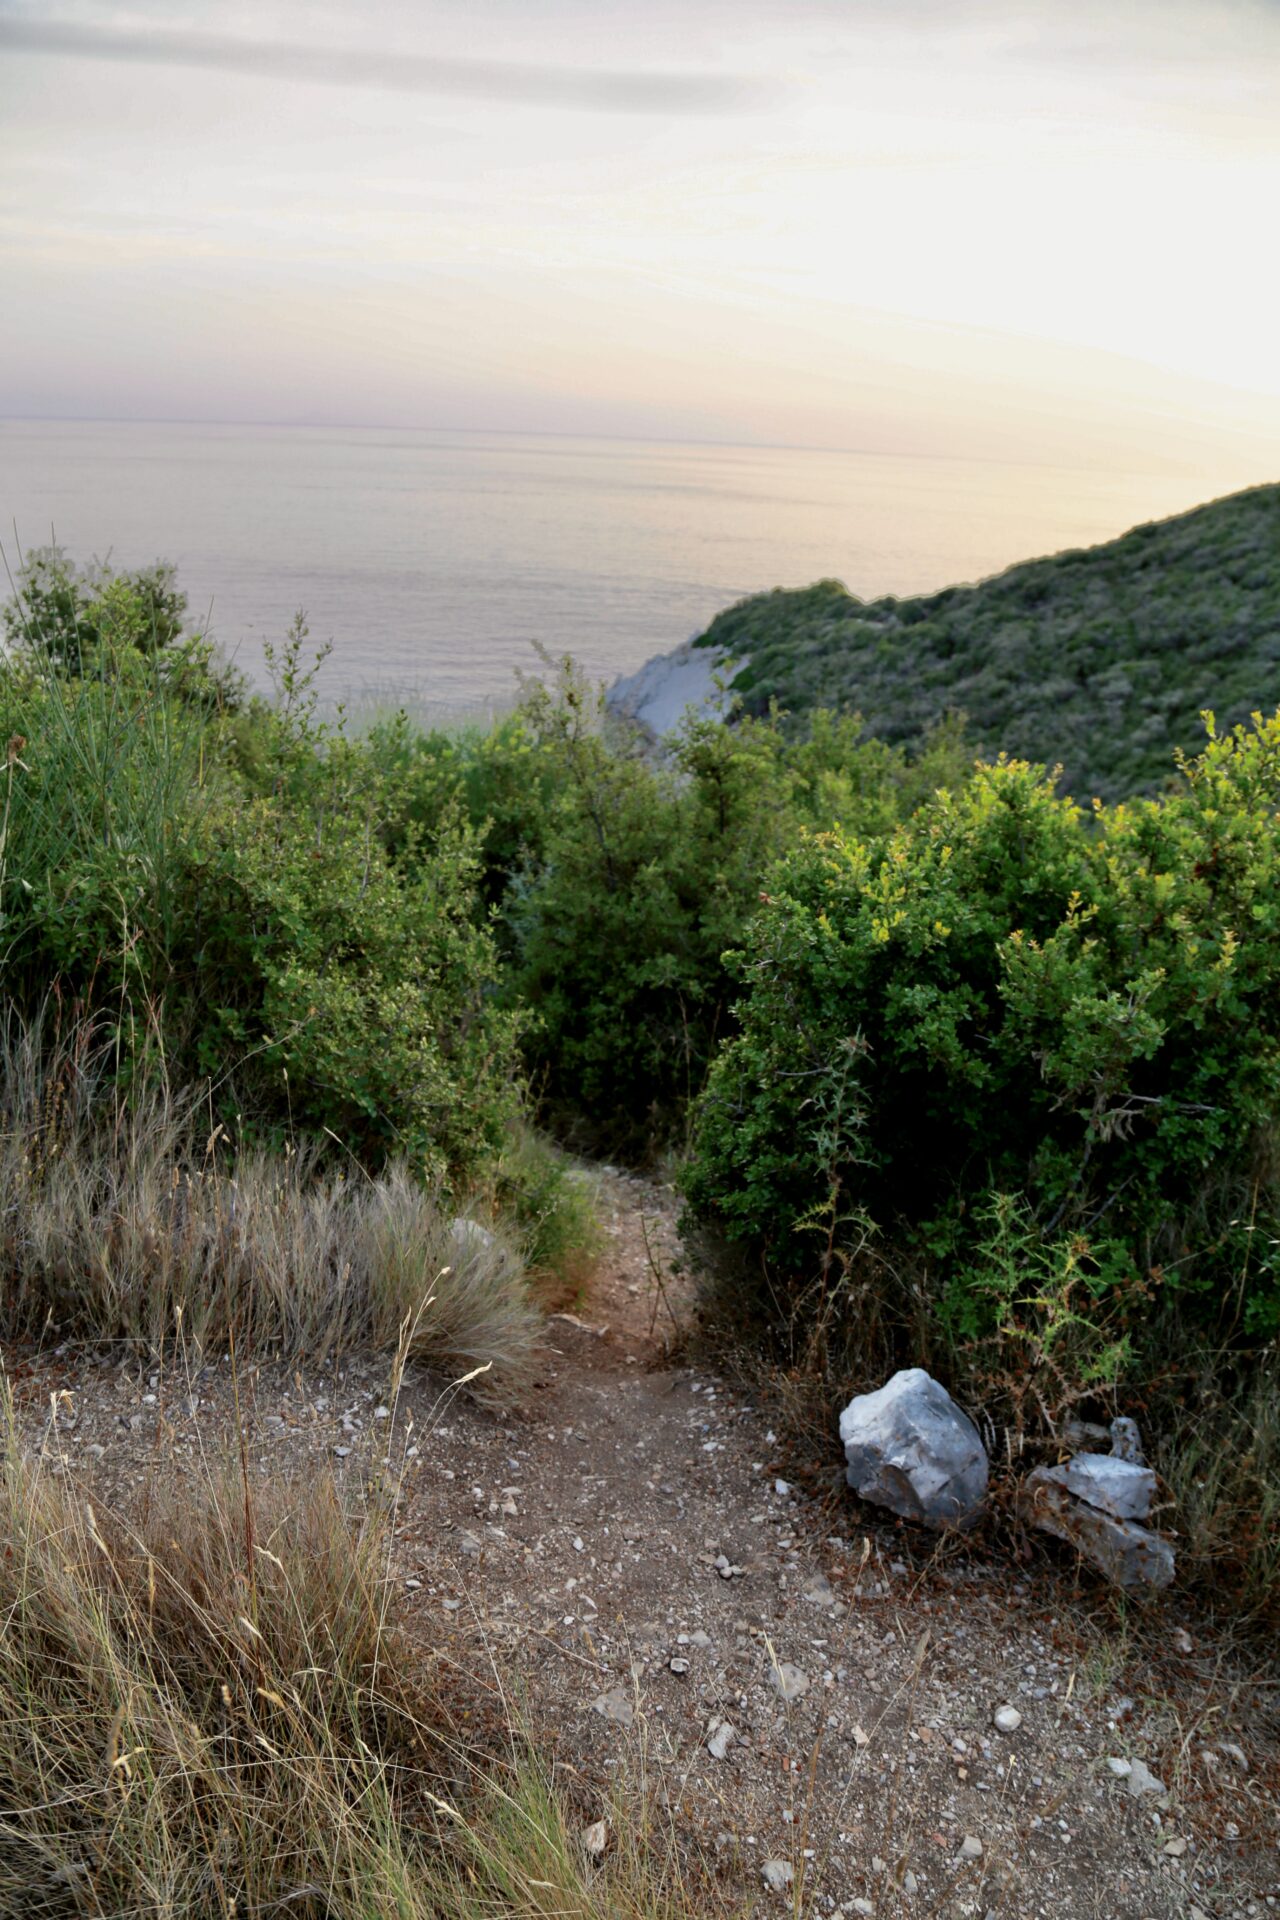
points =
(624, 1558)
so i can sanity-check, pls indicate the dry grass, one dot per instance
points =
(208, 1712)
(130, 1218)
(1219, 1457)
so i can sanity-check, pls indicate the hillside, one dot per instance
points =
(1101, 659)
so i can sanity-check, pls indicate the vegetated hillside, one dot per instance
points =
(1101, 659)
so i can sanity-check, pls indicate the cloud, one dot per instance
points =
(509, 83)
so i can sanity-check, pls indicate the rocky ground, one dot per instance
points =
(839, 1719)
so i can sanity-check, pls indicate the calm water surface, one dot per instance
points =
(434, 561)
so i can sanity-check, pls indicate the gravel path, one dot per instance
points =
(624, 1564)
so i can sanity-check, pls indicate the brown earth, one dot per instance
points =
(622, 1566)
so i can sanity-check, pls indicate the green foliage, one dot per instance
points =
(1001, 995)
(550, 1204)
(263, 936)
(638, 874)
(1101, 659)
(1046, 1318)
(95, 621)
(103, 797)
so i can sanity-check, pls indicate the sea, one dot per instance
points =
(437, 565)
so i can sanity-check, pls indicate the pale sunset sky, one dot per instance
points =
(1039, 231)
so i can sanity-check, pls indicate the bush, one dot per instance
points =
(636, 876)
(265, 936)
(98, 622)
(1001, 996)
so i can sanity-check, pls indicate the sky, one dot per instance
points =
(954, 227)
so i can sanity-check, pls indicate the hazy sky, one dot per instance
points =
(1041, 230)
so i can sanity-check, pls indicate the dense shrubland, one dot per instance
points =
(952, 1071)
(1101, 659)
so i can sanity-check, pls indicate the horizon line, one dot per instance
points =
(563, 433)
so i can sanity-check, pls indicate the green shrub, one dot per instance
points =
(259, 935)
(549, 1203)
(999, 995)
(637, 876)
(104, 788)
(97, 621)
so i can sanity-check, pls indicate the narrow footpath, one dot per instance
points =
(808, 1692)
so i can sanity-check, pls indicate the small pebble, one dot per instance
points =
(1006, 1719)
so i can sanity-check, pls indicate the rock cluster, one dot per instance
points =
(1097, 1502)
(910, 1448)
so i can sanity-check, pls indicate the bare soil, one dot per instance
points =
(623, 1566)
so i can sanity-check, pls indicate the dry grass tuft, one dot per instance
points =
(127, 1218)
(208, 1713)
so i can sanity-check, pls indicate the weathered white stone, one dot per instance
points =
(1115, 1486)
(910, 1448)
(615, 1705)
(1126, 1441)
(789, 1680)
(1128, 1554)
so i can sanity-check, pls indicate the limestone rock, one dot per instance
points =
(1113, 1485)
(1126, 1441)
(1127, 1553)
(910, 1448)
(615, 1705)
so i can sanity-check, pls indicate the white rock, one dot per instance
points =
(595, 1838)
(1126, 1441)
(615, 1705)
(971, 1847)
(910, 1448)
(789, 1681)
(1137, 1776)
(1006, 1719)
(720, 1739)
(1114, 1486)
(1128, 1554)
(467, 1240)
(777, 1875)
